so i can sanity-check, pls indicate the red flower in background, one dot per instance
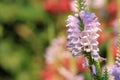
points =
(112, 12)
(79, 62)
(101, 39)
(56, 6)
(64, 5)
(112, 8)
(115, 51)
(66, 63)
(48, 73)
(49, 6)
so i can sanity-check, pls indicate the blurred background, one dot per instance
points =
(33, 39)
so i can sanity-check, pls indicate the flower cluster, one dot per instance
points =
(82, 37)
(73, 35)
(86, 39)
(116, 68)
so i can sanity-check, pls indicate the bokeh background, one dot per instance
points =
(33, 39)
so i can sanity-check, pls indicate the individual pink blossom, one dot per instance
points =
(93, 69)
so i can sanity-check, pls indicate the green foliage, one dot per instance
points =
(105, 75)
(81, 25)
(87, 76)
(79, 4)
(23, 30)
(98, 75)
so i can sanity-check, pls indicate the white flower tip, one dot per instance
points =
(82, 13)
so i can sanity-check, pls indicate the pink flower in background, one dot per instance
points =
(68, 75)
(96, 4)
(60, 62)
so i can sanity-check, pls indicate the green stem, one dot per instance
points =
(98, 69)
(80, 5)
(97, 66)
(51, 31)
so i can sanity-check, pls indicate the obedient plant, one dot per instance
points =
(82, 38)
(116, 67)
